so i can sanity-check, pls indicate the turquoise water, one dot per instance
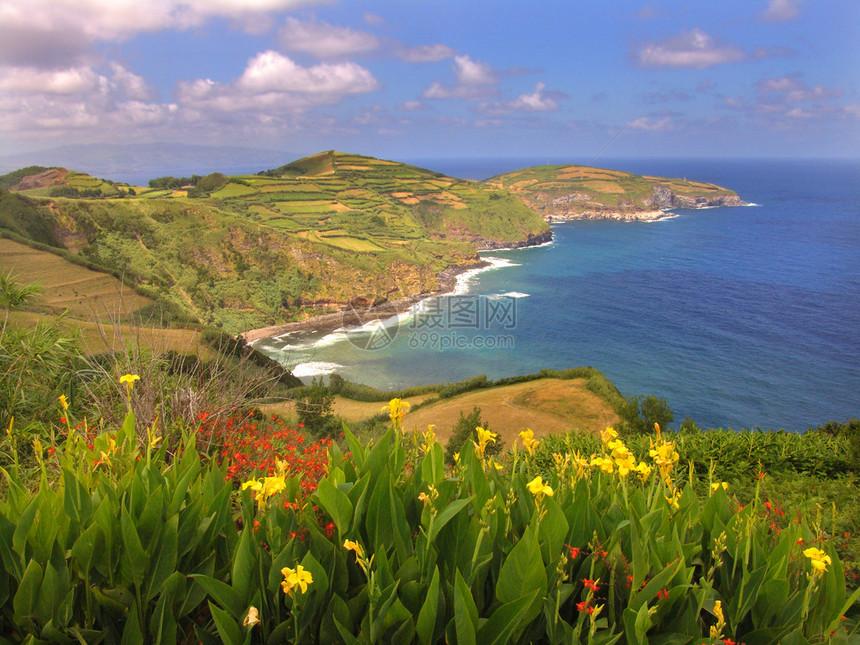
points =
(739, 317)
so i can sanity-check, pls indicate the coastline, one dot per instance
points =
(449, 280)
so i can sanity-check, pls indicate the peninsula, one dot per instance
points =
(303, 243)
(562, 193)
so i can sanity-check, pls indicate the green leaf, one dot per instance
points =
(504, 621)
(133, 556)
(655, 584)
(355, 448)
(433, 465)
(243, 566)
(165, 560)
(523, 573)
(228, 629)
(426, 623)
(22, 530)
(132, 633)
(446, 516)
(24, 602)
(76, 499)
(337, 505)
(223, 593)
(465, 612)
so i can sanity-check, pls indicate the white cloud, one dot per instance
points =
(780, 10)
(69, 27)
(411, 106)
(474, 80)
(273, 83)
(76, 98)
(791, 90)
(324, 40)
(537, 101)
(424, 53)
(688, 49)
(652, 124)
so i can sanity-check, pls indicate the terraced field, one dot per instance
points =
(579, 192)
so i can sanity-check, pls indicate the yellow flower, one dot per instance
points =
(349, 545)
(456, 457)
(429, 439)
(673, 501)
(37, 449)
(253, 484)
(129, 380)
(818, 558)
(625, 464)
(397, 409)
(715, 486)
(529, 441)
(273, 486)
(484, 437)
(608, 435)
(63, 402)
(298, 577)
(604, 463)
(538, 488)
(423, 497)
(643, 470)
(252, 618)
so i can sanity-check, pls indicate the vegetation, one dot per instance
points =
(246, 252)
(583, 191)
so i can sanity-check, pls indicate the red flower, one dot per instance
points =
(574, 551)
(589, 584)
(584, 608)
(662, 594)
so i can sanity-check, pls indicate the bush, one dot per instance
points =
(640, 413)
(464, 432)
(313, 407)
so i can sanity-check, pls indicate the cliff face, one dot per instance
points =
(561, 193)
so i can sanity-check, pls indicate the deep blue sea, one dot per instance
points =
(738, 317)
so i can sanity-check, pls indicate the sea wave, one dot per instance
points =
(315, 368)
(509, 294)
(465, 279)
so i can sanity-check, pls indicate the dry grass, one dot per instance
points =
(98, 337)
(86, 294)
(547, 406)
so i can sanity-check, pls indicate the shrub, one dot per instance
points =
(464, 431)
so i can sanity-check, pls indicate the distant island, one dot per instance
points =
(562, 193)
(320, 235)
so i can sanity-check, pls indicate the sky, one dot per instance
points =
(409, 79)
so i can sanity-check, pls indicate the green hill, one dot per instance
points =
(250, 251)
(583, 192)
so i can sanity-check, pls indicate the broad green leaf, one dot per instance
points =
(654, 585)
(133, 556)
(228, 629)
(426, 622)
(241, 573)
(24, 602)
(465, 612)
(505, 620)
(337, 505)
(446, 516)
(132, 633)
(522, 573)
(433, 465)
(22, 530)
(223, 593)
(165, 558)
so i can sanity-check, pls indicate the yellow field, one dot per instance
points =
(99, 337)
(85, 293)
(547, 406)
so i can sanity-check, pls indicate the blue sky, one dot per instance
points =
(404, 79)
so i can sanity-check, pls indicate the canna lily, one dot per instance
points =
(128, 380)
(626, 464)
(715, 486)
(529, 441)
(63, 402)
(604, 463)
(484, 437)
(298, 577)
(610, 434)
(397, 409)
(643, 470)
(818, 558)
(539, 489)
(350, 545)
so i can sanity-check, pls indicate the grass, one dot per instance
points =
(84, 293)
(594, 188)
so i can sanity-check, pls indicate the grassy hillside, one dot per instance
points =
(249, 251)
(580, 192)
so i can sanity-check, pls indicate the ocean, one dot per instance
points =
(738, 317)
